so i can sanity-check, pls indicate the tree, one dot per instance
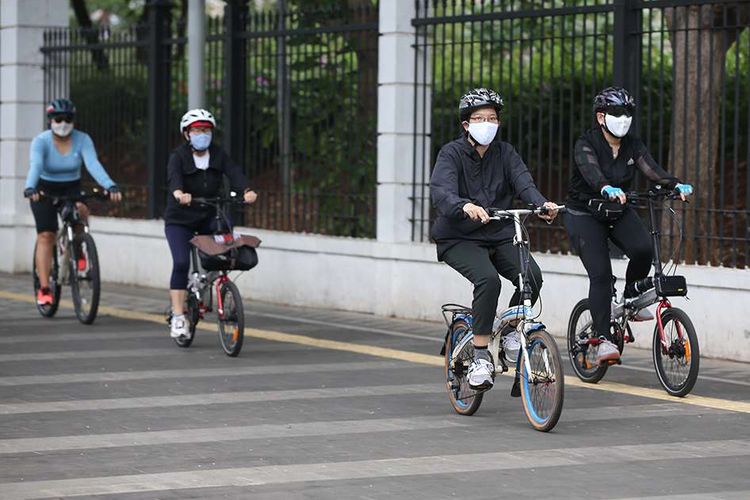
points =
(701, 35)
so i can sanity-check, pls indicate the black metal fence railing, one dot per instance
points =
(685, 61)
(294, 93)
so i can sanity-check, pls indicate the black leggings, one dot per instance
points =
(589, 238)
(480, 263)
(178, 237)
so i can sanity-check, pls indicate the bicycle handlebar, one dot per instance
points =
(218, 200)
(83, 195)
(498, 214)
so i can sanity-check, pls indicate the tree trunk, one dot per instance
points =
(700, 38)
(90, 34)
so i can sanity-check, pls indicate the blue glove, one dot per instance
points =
(685, 189)
(612, 192)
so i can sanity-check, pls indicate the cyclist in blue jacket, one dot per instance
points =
(55, 161)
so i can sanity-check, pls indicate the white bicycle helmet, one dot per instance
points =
(196, 115)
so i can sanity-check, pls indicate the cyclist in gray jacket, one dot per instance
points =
(472, 173)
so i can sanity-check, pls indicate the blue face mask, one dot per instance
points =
(200, 141)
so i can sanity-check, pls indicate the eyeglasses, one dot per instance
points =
(63, 118)
(480, 119)
(619, 111)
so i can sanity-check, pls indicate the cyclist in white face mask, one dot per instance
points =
(56, 158)
(607, 157)
(474, 172)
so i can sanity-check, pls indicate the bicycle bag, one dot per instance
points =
(230, 253)
(605, 211)
(671, 286)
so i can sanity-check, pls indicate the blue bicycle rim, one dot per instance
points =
(525, 386)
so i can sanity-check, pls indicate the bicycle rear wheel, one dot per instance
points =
(84, 281)
(463, 398)
(543, 390)
(49, 310)
(231, 318)
(677, 365)
(583, 356)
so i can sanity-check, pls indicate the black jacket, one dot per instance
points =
(182, 174)
(462, 176)
(595, 167)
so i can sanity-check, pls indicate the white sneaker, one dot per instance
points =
(178, 326)
(643, 315)
(480, 374)
(607, 352)
(512, 345)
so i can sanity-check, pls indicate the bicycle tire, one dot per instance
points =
(55, 287)
(548, 387)
(678, 354)
(192, 315)
(85, 285)
(231, 319)
(583, 358)
(465, 401)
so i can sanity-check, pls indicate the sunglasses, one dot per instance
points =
(619, 111)
(63, 118)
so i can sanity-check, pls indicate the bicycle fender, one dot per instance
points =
(533, 327)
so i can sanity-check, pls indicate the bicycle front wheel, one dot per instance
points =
(49, 310)
(231, 317)
(542, 390)
(676, 364)
(583, 355)
(84, 278)
(463, 398)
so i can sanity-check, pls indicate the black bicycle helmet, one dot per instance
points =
(476, 99)
(613, 97)
(61, 107)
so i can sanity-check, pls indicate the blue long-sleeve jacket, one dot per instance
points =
(47, 163)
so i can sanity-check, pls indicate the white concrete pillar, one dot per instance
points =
(22, 24)
(396, 126)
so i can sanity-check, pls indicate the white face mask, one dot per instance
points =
(62, 129)
(618, 125)
(483, 132)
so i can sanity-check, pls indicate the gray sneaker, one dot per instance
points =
(607, 352)
(643, 315)
(511, 345)
(480, 374)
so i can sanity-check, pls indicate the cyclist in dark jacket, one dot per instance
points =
(196, 168)
(472, 173)
(606, 158)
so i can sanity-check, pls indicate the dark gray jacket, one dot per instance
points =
(462, 176)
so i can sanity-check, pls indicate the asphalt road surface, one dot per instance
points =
(330, 405)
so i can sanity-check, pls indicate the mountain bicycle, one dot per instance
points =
(539, 379)
(212, 257)
(74, 261)
(675, 349)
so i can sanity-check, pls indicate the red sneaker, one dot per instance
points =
(44, 297)
(82, 264)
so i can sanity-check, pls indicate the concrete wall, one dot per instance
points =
(22, 23)
(402, 279)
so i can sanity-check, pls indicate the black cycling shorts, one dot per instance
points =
(45, 212)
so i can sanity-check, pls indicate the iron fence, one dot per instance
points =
(294, 91)
(686, 61)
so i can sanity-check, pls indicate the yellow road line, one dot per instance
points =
(412, 357)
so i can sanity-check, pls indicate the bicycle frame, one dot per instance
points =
(663, 302)
(223, 224)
